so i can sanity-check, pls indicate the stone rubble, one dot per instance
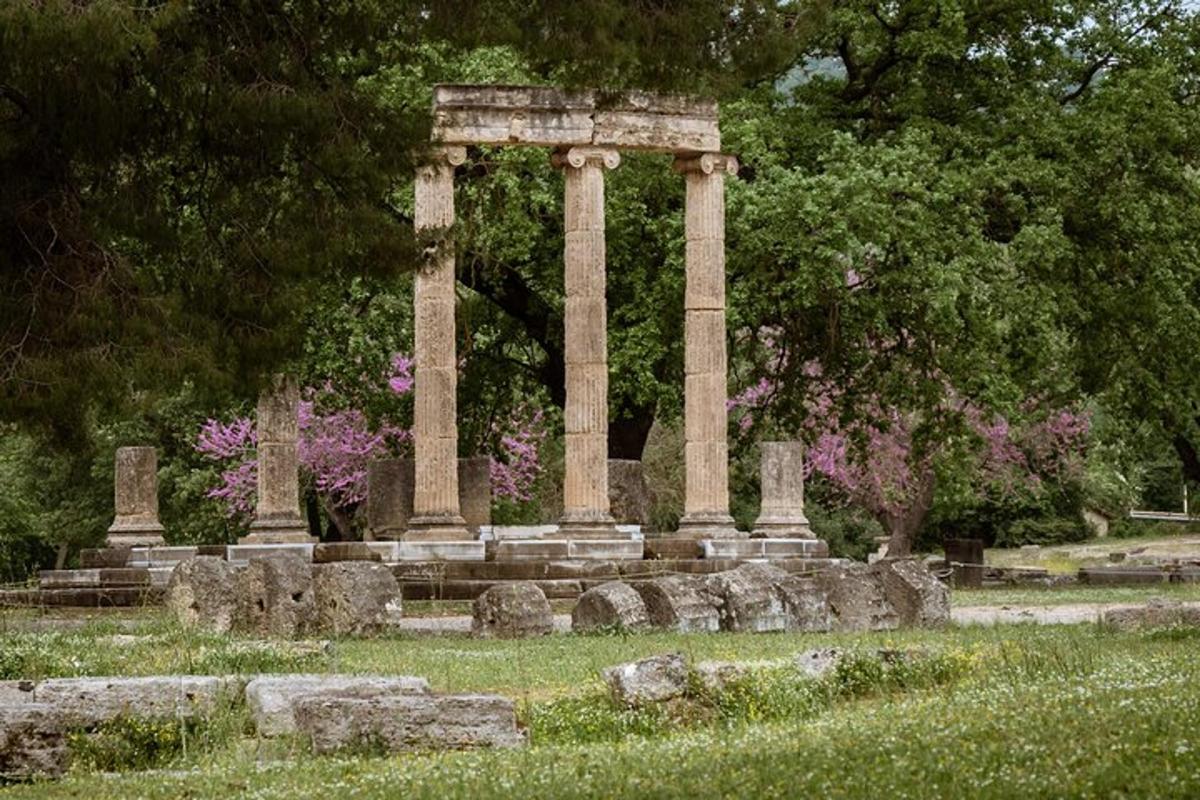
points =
(272, 699)
(355, 597)
(612, 605)
(650, 680)
(677, 603)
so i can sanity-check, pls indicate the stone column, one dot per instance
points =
(585, 485)
(277, 517)
(782, 514)
(706, 449)
(135, 486)
(436, 515)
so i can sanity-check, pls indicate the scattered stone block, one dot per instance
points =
(15, 692)
(272, 699)
(512, 610)
(33, 741)
(747, 599)
(400, 723)
(678, 603)
(1155, 614)
(856, 599)
(277, 594)
(819, 662)
(333, 552)
(805, 604)
(89, 701)
(610, 605)
(1122, 576)
(203, 593)
(918, 598)
(650, 680)
(355, 597)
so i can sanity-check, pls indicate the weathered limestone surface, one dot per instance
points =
(511, 611)
(918, 598)
(33, 741)
(333, 552)
(14, 692)
(585, 415)
(1155, 614)
(277, 593)
(389, 497)
(541, 115)
(355, 597)
(610, 605)
(716, 676)
(629, 498)
(135, 488)
(819, 662)
(806, 604)
(782, 474)
(747, 598)
(272, 699)
(277, 512)
(706, 452)
(475, 492)
(679, 603)
(87, 701)
(650, 680)
(436, 513)
(399, 723)
(856, 599)
(203, 592)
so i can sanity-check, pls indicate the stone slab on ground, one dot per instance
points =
(88, 701)
(15, 692)
(1153, 615)
(272, 699)
(612, 605)
(678, 603)
(649, 680)
(1122, 576)
(400, 723)
(512, 610)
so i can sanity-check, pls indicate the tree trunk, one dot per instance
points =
(902, 528)
(341, 527)
(627, 436)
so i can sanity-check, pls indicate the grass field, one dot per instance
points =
(1009, 711)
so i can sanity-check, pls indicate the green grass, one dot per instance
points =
(1012, 711)
(1039, 596)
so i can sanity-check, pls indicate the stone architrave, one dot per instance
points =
(135, 487)
(782, 514)
(706, 450)
(436, 515)
(585, 484)
(277, 517)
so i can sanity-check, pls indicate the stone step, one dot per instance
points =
(399, 552)
(244, 552)
(569, 549)
(1122, 576)
(93, 578)
(670, 547)
(160, 556)
(769, 549)
(102, 597)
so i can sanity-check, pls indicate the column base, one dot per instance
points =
(587, 525)
(708, 525)
(778, 526)
(437, 528)
(135, 535)
(284, 530)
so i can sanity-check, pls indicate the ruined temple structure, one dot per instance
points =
(435, 534)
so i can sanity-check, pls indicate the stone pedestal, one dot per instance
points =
(585, 486)
(135, 485)
(782, 514)
(706, 451)
(436, 514)
(277, 517)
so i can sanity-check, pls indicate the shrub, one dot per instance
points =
(128, 743)
(1054, 530)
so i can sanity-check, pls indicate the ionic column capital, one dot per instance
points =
(706, 164)
(579, 157)
(442, 155)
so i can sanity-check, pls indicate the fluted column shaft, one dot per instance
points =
(706, 449)
(436, 513)
(585, 484)
(277, 513)
(782, 472)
